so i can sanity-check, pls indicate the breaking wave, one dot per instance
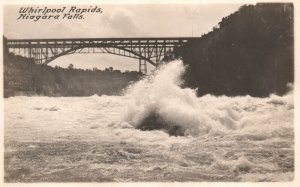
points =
(158, 102)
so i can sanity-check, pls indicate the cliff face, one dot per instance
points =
(250, 52)
(24, 77)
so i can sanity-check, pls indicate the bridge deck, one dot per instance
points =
(97, 42)
(104, 39)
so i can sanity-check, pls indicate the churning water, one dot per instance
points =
(156, 131)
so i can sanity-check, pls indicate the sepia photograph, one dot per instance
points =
(148, 92)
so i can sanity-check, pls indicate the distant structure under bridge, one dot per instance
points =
(146, 50)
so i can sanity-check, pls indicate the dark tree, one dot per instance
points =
(252, 52)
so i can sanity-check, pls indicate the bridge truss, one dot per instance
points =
(146, 50)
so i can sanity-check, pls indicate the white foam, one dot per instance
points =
(161, 94)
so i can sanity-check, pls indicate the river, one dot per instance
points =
(155, 131)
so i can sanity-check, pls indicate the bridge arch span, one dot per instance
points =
(147, 50)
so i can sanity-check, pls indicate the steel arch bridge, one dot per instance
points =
(151, 50)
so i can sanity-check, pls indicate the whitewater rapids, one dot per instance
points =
(156, 131)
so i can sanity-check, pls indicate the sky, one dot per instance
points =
(133, 20)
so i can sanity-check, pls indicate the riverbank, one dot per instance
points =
(24, 77)
(249, 52)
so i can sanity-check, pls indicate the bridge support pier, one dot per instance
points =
(143, 66)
